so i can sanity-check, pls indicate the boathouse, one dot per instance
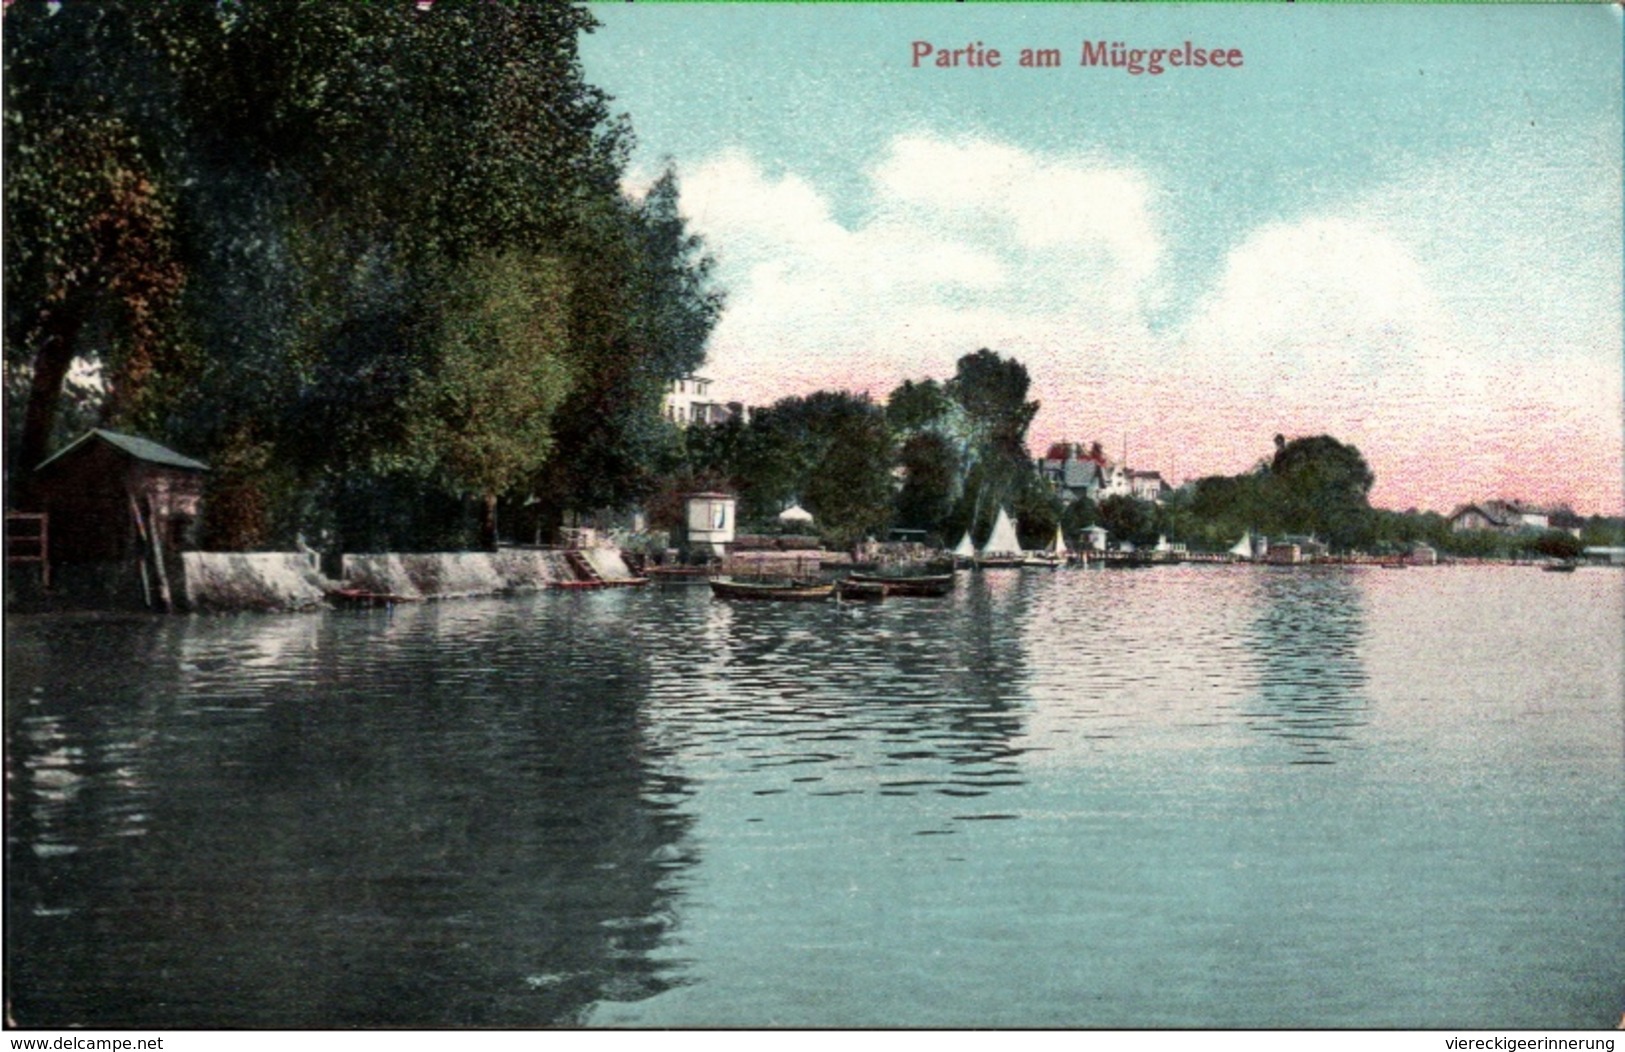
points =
(120, 509)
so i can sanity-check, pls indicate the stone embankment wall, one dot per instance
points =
(608, 563)
(277, 581)
(453, 575)
(252, 581)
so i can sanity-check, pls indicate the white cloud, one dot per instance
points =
(1071, 206)
(1401, 320)
(1358, 325)
(964, 244)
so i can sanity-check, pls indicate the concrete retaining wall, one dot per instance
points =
(289, 580)
(608, 563)
(251, 581)
(451, 575)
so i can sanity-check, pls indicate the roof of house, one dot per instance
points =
(1079, 473)
(1498, 512)
(140, 448)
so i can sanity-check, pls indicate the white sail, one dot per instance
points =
(965, 549)
(1003, 541)
(1244, 547)
(1059, 547)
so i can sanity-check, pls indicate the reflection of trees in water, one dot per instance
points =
(1306, 637)
(441, 819)
(77, 791)
(919, 695)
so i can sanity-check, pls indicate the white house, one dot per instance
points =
(688, 401)
(1147, 485)
(1075, 472)
(1505, 516)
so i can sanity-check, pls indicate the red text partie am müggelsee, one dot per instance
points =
(1105, 54)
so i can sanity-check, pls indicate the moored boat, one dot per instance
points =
(780, 591)
(1051, 558)
(361, 598)
(854, 590)
(1002, 550)
(923, 585)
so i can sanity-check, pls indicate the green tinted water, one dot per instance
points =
(1218, 797)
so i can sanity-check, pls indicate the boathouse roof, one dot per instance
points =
(139, 448)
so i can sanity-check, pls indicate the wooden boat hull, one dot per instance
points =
(933, 586)
(782, 593)
(851, 590)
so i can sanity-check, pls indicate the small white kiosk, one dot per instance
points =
(709, 519)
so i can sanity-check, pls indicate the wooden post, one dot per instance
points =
(151, 551)
(166, 599)
(141, 562)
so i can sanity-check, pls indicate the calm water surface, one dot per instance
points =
(1205, 796)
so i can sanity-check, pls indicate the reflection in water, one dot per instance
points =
(847, 700)
(1057, 799)
(1307, 632)
(334, 821)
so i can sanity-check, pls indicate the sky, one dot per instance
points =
(1400, 226)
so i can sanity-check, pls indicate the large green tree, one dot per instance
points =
(1129, 519)
(92, 268)
(481, 420)
(1320, 486)
(644, 307)
(990, 392)
(261, 221)
(830, 450)
(930, 481)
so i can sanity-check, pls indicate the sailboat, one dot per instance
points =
(964, 552)
(1244, 548)
(1051, 557)
(1002, 549)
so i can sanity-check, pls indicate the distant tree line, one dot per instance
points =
(943, 456)
(1317, 486)
(938, 456)
(372, 261)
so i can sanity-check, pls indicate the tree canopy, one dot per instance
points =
(297, 234)
(1318, 485)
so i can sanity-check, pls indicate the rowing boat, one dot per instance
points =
(924, 585)
(854, 590)
(781, 591)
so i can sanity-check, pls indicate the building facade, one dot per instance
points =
(1502, 516)
(689, 401)
(1075, 472)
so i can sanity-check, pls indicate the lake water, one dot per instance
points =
(1195, 796)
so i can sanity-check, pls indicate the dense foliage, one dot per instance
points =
(371, 260)
(941, 457)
